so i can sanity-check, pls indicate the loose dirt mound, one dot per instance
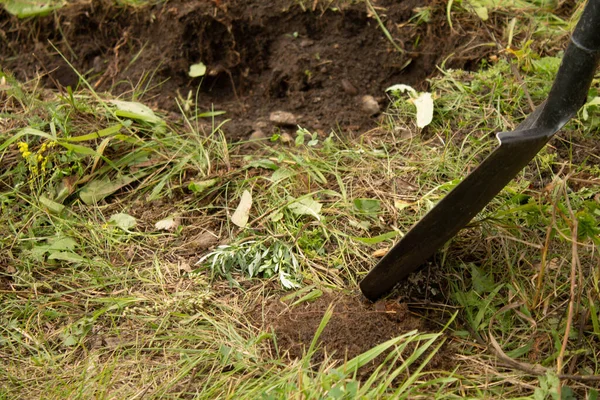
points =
(261, 56)
(355, 327)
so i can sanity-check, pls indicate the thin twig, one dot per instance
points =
(573, 284)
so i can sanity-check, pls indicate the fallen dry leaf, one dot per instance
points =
(380, 252)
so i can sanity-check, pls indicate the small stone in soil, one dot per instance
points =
(285, 138)
(257, 135)
(349, 87)
(283, 118)
(369, 105)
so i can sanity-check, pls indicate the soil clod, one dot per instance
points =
(355, 327)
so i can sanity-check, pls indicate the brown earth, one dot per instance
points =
(261, 56)
(355, 327)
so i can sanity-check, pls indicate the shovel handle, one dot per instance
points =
(569, 92)
(587, 31)
(574, 77)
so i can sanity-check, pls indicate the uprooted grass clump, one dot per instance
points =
(119, 224)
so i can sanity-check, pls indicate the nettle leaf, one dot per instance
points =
(123, 221)
(482, 282)
(367, 206)
(306, 206)
(242, 212)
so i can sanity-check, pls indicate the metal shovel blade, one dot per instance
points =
(516, 150)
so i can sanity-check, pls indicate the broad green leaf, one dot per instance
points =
(276, 216)
(593, 102)
(79, 149)
(482, 282)
(52, 206)
(55, 245)
(124, 221)
(111, 130)
(242, 212)
(201, 186)
(62, 243)
(281, 174)
(367, 206)
(97, 190)
(67, 256)
(135, 110)
(482, 12)
(264, 163)
(306, 206)
(29, 8)
(69, 341)
(197, 70)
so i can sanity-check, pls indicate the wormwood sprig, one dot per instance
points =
(255, 259)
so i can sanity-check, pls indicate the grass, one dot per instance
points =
(99, 302)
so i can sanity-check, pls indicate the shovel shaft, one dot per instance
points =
(516, 150)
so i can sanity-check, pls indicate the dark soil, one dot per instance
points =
(355, 327)
(262, 56)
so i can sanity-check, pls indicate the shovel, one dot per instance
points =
(516, 150)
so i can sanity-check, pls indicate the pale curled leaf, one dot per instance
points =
(422, 101)
(379, 253)
(242, 212)
(167, 224)
(424, 104)
(400, 87)
(135, 110)
(197, 70)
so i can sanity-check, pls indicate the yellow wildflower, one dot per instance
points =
(23, 147)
